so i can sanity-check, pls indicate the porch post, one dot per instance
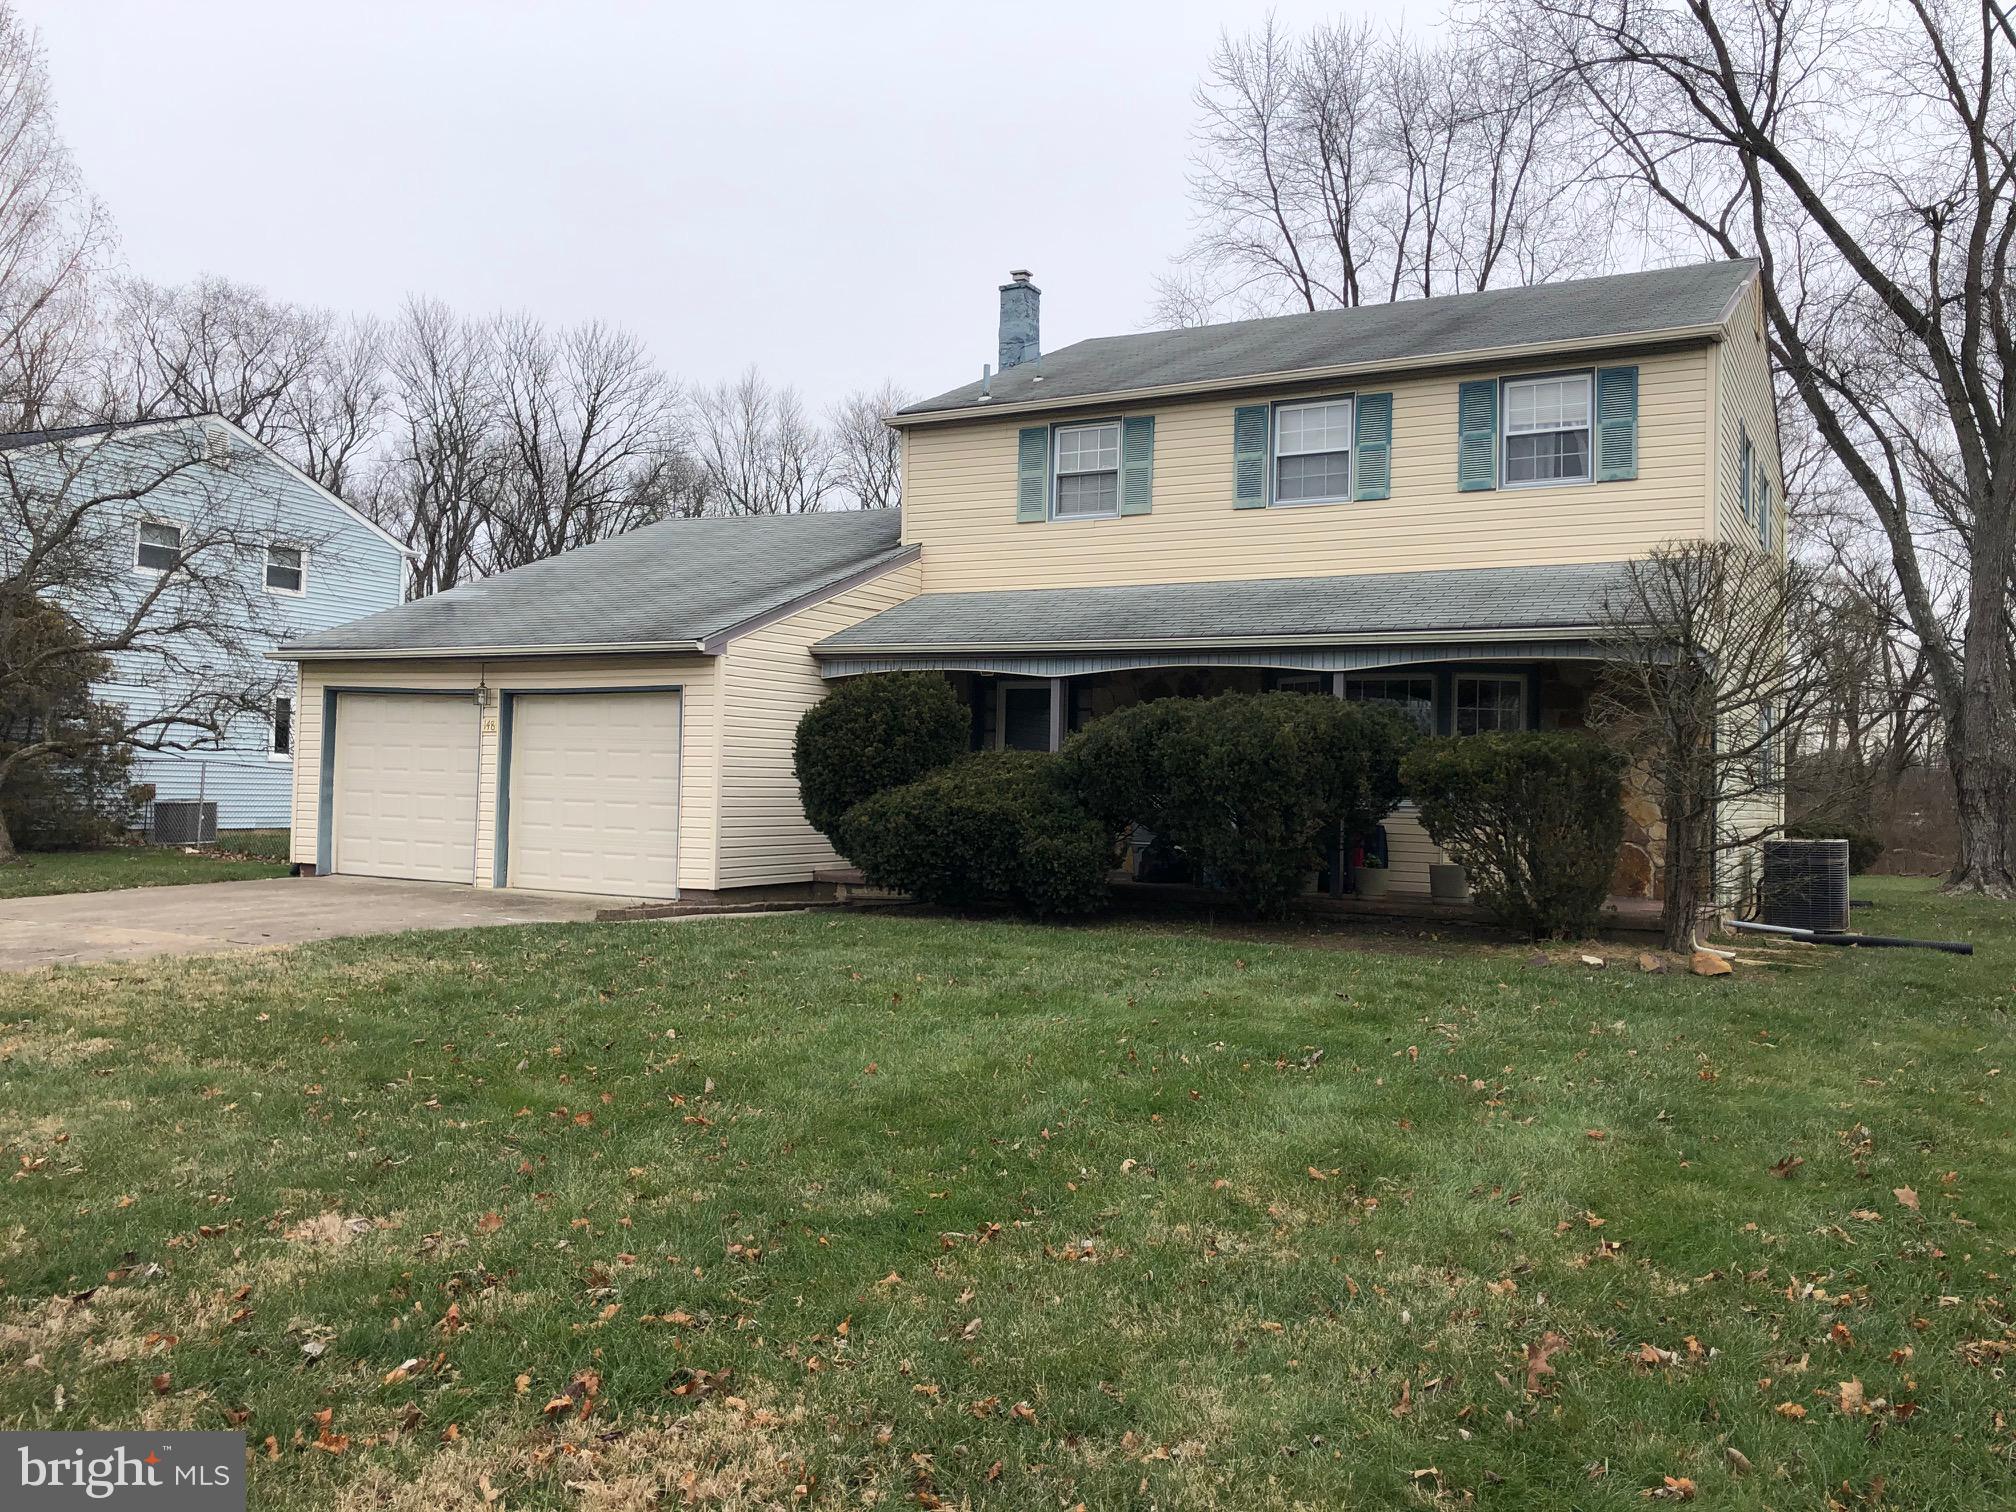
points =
(1337, 840)
(1060, 722)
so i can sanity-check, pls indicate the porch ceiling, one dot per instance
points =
(1327, 623)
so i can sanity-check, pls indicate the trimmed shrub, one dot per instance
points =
(1864, 849)
(872, 734)
(1536, 819)
(995, 825)
(1252, 787)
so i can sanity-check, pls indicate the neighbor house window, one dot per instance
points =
(1088, 469)
(1312, 452)
(158, 547)
(1488, 704)
(286, 569)
(1412, 696)
(1547, 430)
(283, 725)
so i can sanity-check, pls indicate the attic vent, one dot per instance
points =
(217, 445)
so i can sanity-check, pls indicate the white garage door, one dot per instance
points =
(595, 793)
(405, 786)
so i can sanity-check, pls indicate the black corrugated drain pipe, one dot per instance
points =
(1839, 937)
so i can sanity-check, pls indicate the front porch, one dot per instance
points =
(1458, 652)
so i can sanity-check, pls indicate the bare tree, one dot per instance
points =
(868, 451)
(437, 485)
(53, 237)
(758, 449)
(333, 419)
(587, 431)
(1339, 168)
(1702, 681)
(1866, 157)
(132, 554)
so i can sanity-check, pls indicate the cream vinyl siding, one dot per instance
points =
(594, 793)
(1409, 852)
(770, 679)
(405, 786)
(696, 676)
(960, 480)
(1744, 402)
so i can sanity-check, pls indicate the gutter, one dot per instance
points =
(828, 648)
(421, 653)
(1675, 336)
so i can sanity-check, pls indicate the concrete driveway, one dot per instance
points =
(211, 916)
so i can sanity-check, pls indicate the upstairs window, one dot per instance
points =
(158, 547)
(1487, 705)
(1414, 697)
(1547, 430)
(1088, 470)
(1312, 452)
(286, 569)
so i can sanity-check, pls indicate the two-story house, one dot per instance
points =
(164, 497)
(1423, 504)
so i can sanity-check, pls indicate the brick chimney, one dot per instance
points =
(1021, 301)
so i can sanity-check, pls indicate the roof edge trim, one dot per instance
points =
(1664, 336)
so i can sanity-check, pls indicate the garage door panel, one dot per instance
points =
(405, 786)
(595, 793)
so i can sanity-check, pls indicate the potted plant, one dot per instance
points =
(1448, 882)
(1368, 876)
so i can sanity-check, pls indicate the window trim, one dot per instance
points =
(1505, 382)
(273, 751)
(140, 568)
(1057, 429)
(1274, 499)
(266, 568)
(1522, 680)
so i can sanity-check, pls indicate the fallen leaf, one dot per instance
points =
(1787, 1166)
(1906, 1196)
(1540, 1359)
(489, 1223)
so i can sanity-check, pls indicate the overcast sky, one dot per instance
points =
(830, 191)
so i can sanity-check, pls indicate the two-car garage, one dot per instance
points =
(585, 796)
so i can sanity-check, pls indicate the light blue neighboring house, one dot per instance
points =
(314, 563)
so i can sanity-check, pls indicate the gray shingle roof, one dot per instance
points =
(1233, 613)
(1596, 311)
(678, 581)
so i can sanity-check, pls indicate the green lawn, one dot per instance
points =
(238, 856)
(843, 1210)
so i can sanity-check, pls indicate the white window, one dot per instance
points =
(286, 569)
(1488, 704)
(158, 547)
(1412, 696)
(1022, 716)
(1547, 430)
(283, 725)
(1088, 470)
(1312, 452)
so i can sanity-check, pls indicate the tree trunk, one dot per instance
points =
(1981, 733)
(1682, 906)
(7, 851)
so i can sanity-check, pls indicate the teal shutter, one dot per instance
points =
(1763, 510)
(1137, 464)
(1373, 420)
(1743, 470)
(1477, 435)
(1249, 457)
(1616, 424)
(1032, 485)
